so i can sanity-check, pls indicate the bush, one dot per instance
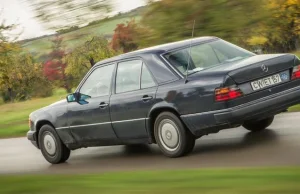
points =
(42, 89)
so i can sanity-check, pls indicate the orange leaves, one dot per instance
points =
(125, 36)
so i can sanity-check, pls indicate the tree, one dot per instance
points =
(7, 53)
(55, 69)
(126, 36)
(19, 77)
(84, 57)
(173, 20)
(282, 28)
(56, 14)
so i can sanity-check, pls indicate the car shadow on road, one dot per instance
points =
(250, 140)
(134, 154)
(138, 150)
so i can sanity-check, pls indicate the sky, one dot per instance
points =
(18, 12)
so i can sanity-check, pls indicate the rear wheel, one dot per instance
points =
(258, 125)
(173, 139)
(52, 148)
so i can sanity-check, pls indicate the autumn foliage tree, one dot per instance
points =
(282, 29)
(81, 59)
(126, 36)
(21, 77)
(55, 69)
(19, 72)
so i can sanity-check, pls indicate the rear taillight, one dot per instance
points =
(227, 93)
(296, 72)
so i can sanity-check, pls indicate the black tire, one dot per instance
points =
(56, 152)
(190, 147)
(177, 141)
(258, 125)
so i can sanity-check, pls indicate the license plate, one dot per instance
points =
(269, 81)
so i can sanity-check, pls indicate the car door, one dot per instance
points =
(134, 95)
(90, 122)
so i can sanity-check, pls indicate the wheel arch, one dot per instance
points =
(154, 112)
(39, 125)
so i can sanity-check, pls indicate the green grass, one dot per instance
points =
(207, 181)
(297, 53)
(77, 37)
(295, 108)
(14, 116)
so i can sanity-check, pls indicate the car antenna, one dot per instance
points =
(190, 49)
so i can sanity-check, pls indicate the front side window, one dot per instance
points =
(128, 76)
(207, 55)
(99, 82)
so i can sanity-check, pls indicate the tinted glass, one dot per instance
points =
(206, 55)
(99, 82)
(160, 70)
(128, 76)
(146, 80)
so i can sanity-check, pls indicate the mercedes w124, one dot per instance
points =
(169, 95)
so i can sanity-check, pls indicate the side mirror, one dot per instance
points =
(78, 97)
(71, 98)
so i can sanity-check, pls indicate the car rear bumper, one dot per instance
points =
(31, 136)
(213, 121)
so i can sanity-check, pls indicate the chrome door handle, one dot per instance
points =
(147, 98)
(103, 105)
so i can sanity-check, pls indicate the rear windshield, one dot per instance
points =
(207, 55)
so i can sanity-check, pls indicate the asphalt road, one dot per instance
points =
(279, 145)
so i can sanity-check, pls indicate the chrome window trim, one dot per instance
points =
(168, 63)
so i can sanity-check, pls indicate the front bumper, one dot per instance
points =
(213, 121)
(31, 136)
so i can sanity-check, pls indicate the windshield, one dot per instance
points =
(207, 55)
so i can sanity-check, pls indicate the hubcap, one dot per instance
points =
(50, 144)
(168, 134)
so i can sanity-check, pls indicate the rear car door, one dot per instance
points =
(134, 95)
(91, 122)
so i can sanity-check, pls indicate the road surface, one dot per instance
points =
(279, 145)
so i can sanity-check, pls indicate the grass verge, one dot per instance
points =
(295, 108)
(209, 181)
(14, 116)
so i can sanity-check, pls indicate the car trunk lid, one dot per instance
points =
(259, 66)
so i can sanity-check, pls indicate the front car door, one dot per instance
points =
(134, 96)
(90, 123)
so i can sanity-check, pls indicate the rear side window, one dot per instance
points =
(128, 76)
(160, 70)
(146, 80)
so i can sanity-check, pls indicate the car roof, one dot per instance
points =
(159, 48)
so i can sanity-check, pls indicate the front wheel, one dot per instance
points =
(172, 137)
(258, 125)
(52, 148)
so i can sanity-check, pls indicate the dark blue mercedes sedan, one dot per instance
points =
(171, 95)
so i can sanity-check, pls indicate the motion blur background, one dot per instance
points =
(47, 46)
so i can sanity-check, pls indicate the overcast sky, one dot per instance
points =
(18, 12)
